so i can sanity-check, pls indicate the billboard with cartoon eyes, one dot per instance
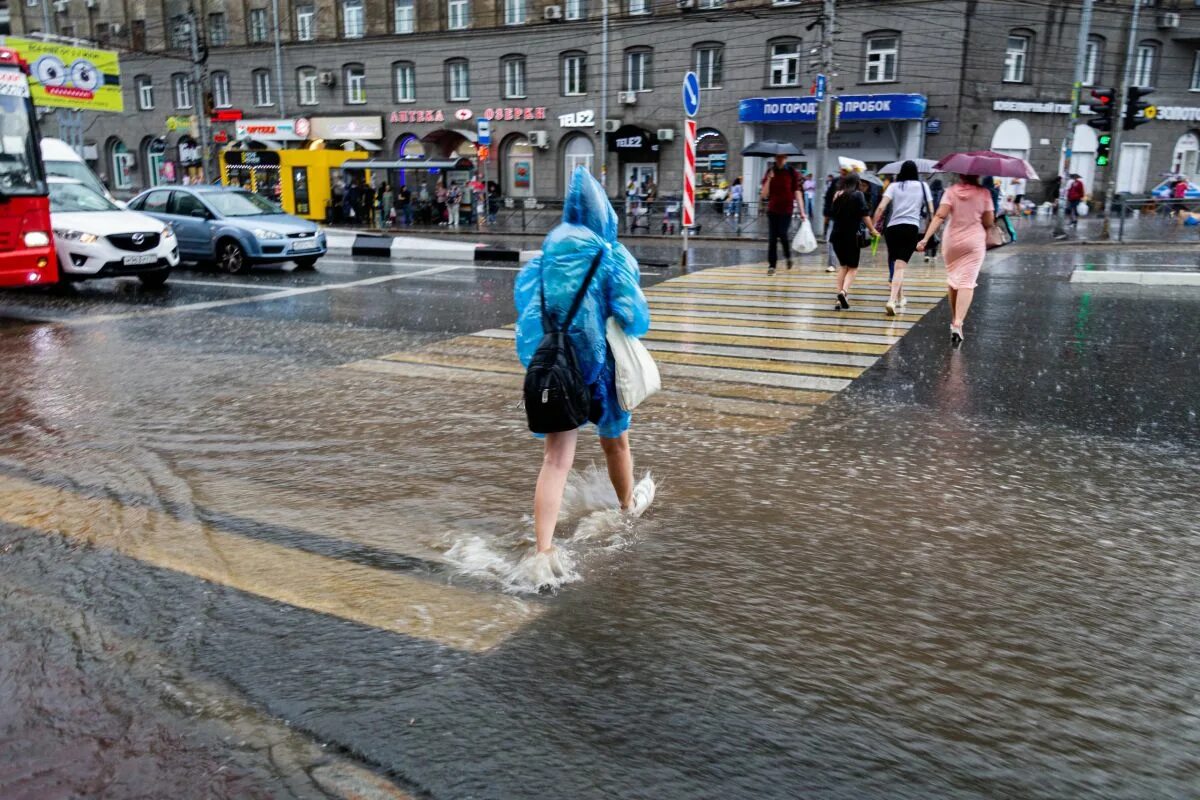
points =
(66, 76)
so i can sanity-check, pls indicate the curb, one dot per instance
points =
(401, 248)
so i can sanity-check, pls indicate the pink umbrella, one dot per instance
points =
(985, 162)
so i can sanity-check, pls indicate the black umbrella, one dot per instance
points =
(768, 148)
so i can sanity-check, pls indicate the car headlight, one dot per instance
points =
(261, 233)
(168, 232)
(65, 233)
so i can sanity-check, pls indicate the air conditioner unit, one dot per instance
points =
(93, 3)
(684, 5)
(116, 28)
(1170, 20)
(553, 12)
(539, 139)
(627, 98)
(665, 134)
(611, 125)
(60, 6)
(327, 79)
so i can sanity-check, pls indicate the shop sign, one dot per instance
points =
(180, 122)
(423, 115)
(220, 137)
(514, 113)
(463, 114)
(347, 127)
(933, 127)
(251, 158)
(189, 153)
(630, 140)
(1034, 107)
(268, 130)
(66, 76)
(850, 108)
(157, 147)
(302, 127)
(577, 119)
(1176, 113)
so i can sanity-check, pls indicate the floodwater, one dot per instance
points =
(900, 599)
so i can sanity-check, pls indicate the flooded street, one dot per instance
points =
(264, 539)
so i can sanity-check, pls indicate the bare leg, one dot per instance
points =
(965, 296)
(898, 280)
(953, 302)
(845, 278)
(620, 467)
(547, 499)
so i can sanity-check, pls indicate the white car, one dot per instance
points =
(96, 239)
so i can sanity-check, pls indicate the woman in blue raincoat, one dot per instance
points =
(589, 226)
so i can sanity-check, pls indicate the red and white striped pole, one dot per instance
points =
(689, 181)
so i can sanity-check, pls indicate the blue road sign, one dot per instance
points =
(820, 88)
(484, 130)
(691, 94)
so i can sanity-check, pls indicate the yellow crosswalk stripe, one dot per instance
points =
(758, 364)
(768, 323)
(384, 599)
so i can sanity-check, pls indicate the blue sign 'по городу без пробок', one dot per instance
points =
(853, 107)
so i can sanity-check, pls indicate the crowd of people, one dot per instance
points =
(384, 205)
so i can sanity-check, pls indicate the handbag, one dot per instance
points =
(995, 237)
(805, 241)
(864, 237)
(636, 373)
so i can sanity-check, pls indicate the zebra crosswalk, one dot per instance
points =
(741, 346)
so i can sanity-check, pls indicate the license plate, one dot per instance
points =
(304, 244)
(133, 261)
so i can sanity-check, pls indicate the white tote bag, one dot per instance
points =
(804, 240)
(637, 374)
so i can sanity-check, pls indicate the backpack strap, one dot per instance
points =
(576, 303)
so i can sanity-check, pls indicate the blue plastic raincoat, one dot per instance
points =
(589, 225)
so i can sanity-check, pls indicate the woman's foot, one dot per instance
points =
(956, 335)
(843, 301)
(643, 496)
(890, 308)
(770, 271)
(543, 570)
(831, 268)
(789, 263)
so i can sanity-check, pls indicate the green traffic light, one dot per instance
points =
(1101, 161)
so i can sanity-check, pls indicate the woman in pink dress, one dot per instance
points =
(971, 212)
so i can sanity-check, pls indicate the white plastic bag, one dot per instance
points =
(637, 374)
(1082, 209)
(804, 241)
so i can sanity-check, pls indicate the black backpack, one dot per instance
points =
(556, 398)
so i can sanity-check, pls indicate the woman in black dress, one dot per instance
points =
(848, 211)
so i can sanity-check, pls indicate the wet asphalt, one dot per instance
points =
(969, 575)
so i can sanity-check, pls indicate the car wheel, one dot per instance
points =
(231, 258)
(156, 279)
(306, 263)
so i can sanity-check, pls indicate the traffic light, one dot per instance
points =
(1102, 109)
(1103, 149)
(1134, 107)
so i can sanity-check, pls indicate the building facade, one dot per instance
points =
(407, 78)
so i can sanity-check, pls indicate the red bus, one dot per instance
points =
(26, 241)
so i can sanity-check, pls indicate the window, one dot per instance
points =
(458, 14)
(712, 3)
(183, 204)
(181, 86)
(356, 84)
(258, 25)
(784, 63)
(639, 7)
(639, 70)
(1016, 54)
(1144, 65)
(574, 74)
(305, 29)
(306, 86)
(1091, 60)
(218, 32)
(137, 35)
(405, 75)
(261, 80)
(181, 36)
(220, 90)
(514, 12)
(513, 68)
(708, 65)
(353, 22)
(579, 152)
(458, 80)
(882, 55)
(1196, 72)
(145, 92)
(403, 16)
(155, 202)
(575, 9)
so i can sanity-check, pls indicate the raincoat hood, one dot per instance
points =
(587, 205)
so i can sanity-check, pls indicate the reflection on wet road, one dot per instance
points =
(877, 567)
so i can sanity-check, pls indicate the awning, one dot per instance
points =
(431, 163)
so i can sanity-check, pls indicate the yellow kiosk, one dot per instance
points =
(302, 181)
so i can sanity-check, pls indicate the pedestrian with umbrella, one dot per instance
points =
(907, 198)
(783, 191)
(971, 213)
